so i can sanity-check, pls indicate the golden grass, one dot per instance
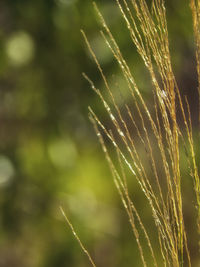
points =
(157, 131)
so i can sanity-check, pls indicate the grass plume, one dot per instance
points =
(157, 130)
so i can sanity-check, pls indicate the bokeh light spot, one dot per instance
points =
(20, 48)
(62, 153)
(66, 2)
(101, 50)
(6, 170)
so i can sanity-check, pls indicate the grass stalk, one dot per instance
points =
(157, 130)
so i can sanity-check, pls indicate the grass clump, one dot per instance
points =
(157, 129)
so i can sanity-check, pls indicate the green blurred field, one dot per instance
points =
(49, 154)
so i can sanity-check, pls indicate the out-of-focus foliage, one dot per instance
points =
(49, 155)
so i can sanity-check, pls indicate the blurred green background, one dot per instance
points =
(49, 154)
